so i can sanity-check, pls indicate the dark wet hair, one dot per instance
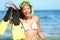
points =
(21, 15)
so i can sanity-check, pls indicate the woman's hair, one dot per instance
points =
(21, 15)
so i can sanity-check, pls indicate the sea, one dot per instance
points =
(49, 24)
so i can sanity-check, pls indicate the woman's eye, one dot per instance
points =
(24, 8)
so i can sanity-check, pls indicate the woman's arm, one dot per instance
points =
(39, 30)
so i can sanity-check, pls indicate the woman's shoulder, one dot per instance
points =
(36, 17)
(21, 20)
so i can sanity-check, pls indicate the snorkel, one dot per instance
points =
(32, 7)
(26, 2)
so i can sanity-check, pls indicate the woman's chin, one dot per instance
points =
(28, 15)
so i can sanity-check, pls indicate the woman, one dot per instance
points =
(30, 23)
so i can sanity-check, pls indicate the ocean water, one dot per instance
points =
(49, 24)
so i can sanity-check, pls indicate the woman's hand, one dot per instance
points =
(44, 39)
(13, 7)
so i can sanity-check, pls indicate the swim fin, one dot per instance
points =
(3, 26)
(18, 32)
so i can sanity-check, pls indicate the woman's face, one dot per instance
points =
(26, 10)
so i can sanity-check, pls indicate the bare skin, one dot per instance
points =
(32, 34)
(29, 19)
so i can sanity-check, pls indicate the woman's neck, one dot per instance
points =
(29, 17)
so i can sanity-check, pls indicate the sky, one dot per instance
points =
(37, 4)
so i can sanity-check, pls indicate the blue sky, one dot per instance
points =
(37, 4)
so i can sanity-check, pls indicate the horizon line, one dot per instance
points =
(37, 10)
